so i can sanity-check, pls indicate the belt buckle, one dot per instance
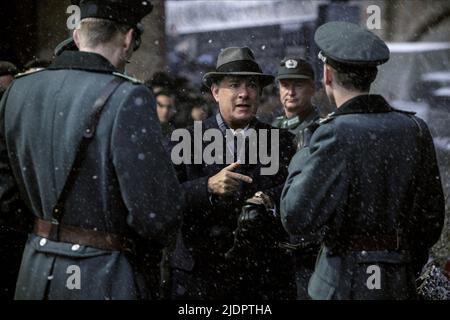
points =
(54, 230)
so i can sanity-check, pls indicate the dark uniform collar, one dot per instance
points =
(367, 103)
(82, 61)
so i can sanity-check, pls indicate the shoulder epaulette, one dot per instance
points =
(133, 80)
(28, 72)
(327, 118)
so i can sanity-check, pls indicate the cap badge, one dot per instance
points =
(322, 57)
(291, 64)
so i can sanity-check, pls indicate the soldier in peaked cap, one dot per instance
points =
(368, 185)
(295, 79)
(228, 247)
(85, 153)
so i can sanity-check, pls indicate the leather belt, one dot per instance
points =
(85, 237)
(378, 243)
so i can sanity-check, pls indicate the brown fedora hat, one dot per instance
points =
(239, 62)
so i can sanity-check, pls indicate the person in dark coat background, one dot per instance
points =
(165, 110)
(94, 216)
(218, 257)
(368, 185)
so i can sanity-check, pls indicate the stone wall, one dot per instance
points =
(152, 54)
(38, 29)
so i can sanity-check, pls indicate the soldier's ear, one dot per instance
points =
(128, 43)
(76, 38)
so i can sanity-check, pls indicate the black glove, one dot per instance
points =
(256, 233)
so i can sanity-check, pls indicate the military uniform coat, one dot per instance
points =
(371, 172)
(301, 128)
(125, 186)
(304, 256)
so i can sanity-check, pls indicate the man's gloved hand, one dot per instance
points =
(256, 228)
(260, 198)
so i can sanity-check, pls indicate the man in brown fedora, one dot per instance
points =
(231, 230)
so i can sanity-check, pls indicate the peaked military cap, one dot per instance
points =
(128, 12)
(237, 61)
(295, 68)
(346, 45)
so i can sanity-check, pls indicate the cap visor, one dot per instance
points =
(68, 44)
(293, 76)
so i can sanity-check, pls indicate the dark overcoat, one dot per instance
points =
(201, 269)
(126, 184)
(368, 188)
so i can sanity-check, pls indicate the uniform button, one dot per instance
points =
(43, 242)
(364, 253)
(75, 247)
